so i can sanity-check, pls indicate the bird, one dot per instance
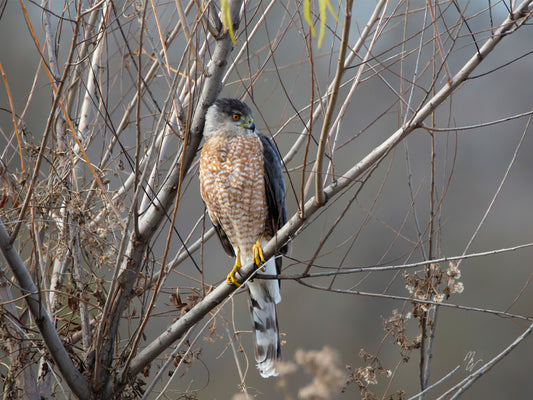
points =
(242, 186)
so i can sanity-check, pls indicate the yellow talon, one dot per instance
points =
(258, 253)
(231, 276)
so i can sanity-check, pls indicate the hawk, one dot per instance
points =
(241, 182)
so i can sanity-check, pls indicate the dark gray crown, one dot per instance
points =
(232, 106)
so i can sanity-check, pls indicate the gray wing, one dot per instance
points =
(274, 188)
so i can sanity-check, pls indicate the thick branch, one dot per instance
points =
(25, 381)
(75, 380)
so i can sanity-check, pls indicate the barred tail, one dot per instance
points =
(264, 295)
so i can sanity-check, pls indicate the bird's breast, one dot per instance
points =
(232, 160)
(232, 186)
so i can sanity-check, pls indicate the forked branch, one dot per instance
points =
(324, 134)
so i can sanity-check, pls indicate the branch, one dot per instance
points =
(319, 180)
(75, 380)
(25, 378)
(380, 268)
(470, 379)
(349, 59)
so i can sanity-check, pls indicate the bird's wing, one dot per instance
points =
(274, 186)
(224, 239)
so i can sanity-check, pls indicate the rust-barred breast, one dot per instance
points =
(232, 186)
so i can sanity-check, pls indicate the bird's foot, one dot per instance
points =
(231, 279)
(259, 259)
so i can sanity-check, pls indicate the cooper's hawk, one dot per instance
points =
(241, 182)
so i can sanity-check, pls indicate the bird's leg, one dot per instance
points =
(231, 276)
(258, 252)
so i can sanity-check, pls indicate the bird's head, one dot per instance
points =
(228, 117)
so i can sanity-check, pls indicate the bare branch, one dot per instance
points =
(466, 383)
(347, 271)
(26, 382)
(319, 191)
(349, 59)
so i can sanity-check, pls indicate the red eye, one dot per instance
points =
(236, 117)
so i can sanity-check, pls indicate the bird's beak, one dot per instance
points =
(250, 125)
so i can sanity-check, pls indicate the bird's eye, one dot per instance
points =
(236, 117)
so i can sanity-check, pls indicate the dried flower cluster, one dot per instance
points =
(366, 376)
(324, 366)
(395, 326)
(434, 284)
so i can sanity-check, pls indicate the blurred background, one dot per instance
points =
(386, 214)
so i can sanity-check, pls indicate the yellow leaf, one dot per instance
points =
(323, 17)
(323, 6)
(226, 19)
(307, 16)
(332, 11)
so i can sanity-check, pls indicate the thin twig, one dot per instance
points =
(324, 134)
(349, 59)
(498, 190)
(466, 383)
(347, 271)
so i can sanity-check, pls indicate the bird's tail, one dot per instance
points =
(264, 295)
